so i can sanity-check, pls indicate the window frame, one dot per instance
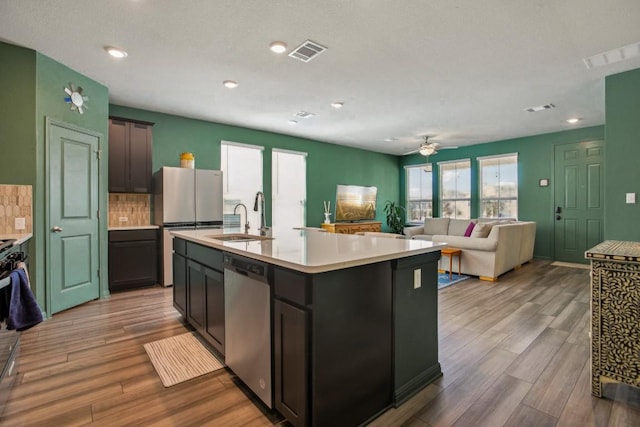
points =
(482, 199)
(409, 200)
(441, 200)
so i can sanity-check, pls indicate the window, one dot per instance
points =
(499, 186)
(419, 191)
(289, 189)
(455, 189)
(241, 166)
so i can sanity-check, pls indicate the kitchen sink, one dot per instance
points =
(238, 237)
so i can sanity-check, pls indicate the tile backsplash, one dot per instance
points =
(16, 201)
(129, 209)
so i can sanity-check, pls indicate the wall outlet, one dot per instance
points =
(20, 224)
(631, 198)
(417, 278)
(123, 219)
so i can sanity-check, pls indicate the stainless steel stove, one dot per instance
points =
(5, 245)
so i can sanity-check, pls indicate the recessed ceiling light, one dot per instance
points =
(390, 139)
(115, 52)
(293, 122)
(573, 120)
(230, 84)
(278, 47)
(337, 105)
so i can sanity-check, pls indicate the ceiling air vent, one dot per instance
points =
(540, 108)
(612, 56)
(304, 114)
(307, 51)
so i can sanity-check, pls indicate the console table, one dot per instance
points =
(615, 318)
(352, 227)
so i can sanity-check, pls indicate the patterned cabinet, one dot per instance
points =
(615, 313)
(352, 227)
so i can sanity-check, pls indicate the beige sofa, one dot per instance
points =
(495, 246)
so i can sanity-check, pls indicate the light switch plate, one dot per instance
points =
(417, 278)
(631, 198)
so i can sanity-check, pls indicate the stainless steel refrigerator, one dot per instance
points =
(185, 199)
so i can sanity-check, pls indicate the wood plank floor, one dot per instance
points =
(513, 353)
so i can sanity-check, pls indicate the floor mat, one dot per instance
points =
(181, 358)
(443, 279)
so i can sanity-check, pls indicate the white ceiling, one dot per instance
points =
(461, 71)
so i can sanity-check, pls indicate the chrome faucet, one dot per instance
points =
(263, 227)
(246, 216)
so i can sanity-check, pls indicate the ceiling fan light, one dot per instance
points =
(427, 150)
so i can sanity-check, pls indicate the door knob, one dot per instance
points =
(56, 229)
(558, 217)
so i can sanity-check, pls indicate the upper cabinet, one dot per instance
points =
(129, 156)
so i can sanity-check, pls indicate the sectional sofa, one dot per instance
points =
(492, 247)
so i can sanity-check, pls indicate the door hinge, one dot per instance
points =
(98, 273)
(98, 213)
(99, 154)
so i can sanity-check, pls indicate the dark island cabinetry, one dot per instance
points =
(347, 344)
(133, 259)
(198, 289)
(129, 156)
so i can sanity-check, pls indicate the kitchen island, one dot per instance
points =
(353, 318)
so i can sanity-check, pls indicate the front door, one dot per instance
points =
(579, 199)
(73, 249)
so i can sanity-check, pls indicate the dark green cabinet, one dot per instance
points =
(198, 289)
(180, 283)
(129, 156)
(195, 294)
(214, 324)
(133, 259)
(290, 356)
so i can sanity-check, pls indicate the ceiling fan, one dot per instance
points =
(428, 148)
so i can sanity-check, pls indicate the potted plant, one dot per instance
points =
(395, 216)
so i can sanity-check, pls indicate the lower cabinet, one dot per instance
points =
(290, 357)
(214, 323)
(133, 259)
(180, 283)
(195, 294)
(198, 289)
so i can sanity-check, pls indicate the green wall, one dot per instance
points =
(33, 90)
(622, 151)
(535, 161)
(327, 164)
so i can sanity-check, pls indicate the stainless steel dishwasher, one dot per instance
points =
(247, 316)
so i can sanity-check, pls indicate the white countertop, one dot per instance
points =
(313, 251)
(134, 227)
(20, 237)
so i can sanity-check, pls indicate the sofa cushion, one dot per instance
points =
(467, 232)
(457, 227)
(482, 229)
(436, 226)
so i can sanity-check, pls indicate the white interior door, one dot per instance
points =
(289, 189)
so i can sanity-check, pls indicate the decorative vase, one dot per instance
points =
(327, 217)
